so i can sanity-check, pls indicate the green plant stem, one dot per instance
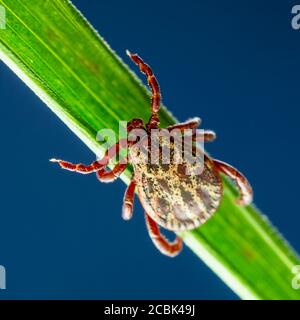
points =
(54, 50)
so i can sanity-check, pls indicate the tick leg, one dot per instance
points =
(189, 124)
(128, 200)
(166, 247)
(96, 165)
(153, 84)
(205, 136)
(105, 175)
(246, 193)
(81, 168)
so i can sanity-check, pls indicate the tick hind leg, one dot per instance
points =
(153, 84)
(166, 247)
(246, 193)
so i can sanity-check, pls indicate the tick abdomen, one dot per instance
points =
(179, 196)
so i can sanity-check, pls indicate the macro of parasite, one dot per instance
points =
(176, 196)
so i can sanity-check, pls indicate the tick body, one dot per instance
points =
(178, 195)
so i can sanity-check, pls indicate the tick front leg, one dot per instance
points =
(128, 201)
(166, 247)
(246, 192)
(153, 84)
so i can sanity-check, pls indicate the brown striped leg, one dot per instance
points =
(111, 175)
(80, 168)
(246, 193)
(189, 124)
(205, 136)
(128, 200)
(96, 165)
(153, 84)
(166, 247)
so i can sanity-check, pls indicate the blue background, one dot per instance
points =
(233, 63)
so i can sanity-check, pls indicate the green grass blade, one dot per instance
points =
(54, 50)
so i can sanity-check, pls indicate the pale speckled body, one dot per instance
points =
(175, 200)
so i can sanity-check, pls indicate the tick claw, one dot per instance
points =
(128, 52)
(54, 160)
(239, 202)
(243, 202)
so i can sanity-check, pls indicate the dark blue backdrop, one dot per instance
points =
(239, 61)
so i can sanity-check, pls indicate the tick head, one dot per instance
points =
(135, 124)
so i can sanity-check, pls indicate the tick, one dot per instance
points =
(172, 199)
